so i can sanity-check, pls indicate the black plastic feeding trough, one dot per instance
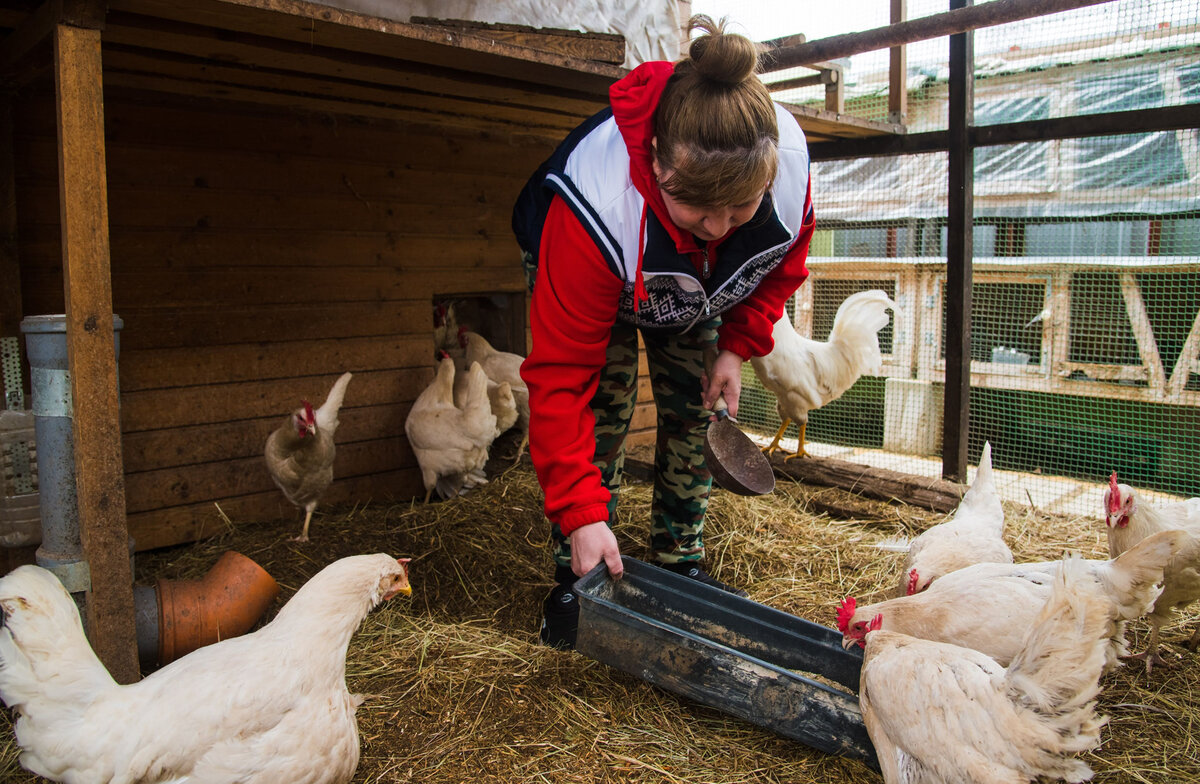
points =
(730, 653)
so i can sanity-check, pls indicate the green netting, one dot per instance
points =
(1085, 346)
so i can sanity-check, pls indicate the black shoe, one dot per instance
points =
(692, 569)
(560, 619)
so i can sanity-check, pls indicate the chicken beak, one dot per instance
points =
(848, 642)
(401, 585)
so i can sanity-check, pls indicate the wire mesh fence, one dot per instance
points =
(1085, 341)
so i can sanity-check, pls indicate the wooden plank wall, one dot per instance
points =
(256, 255)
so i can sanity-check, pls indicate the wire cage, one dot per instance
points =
(1085, 311)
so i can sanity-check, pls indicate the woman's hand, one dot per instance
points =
(593, 543)
(724, 378)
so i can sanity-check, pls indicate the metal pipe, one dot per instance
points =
(61, 550)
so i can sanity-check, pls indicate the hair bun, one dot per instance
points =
(727, 58)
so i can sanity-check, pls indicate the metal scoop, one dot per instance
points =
(734, 460)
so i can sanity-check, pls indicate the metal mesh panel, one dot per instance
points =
(1085, 346)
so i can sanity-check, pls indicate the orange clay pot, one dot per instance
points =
(225, 603)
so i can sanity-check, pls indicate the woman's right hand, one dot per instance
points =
(593, 543)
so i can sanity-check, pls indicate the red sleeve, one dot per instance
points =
(575, 299)
(746, 327)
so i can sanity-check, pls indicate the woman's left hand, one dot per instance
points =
(724, 378)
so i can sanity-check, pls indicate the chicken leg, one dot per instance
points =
(774, 446)
(1151, 653)
(308, 513)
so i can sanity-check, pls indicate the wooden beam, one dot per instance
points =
(605, 47)
(1167, 118)
(1143, 331)
(881, 484)
(1187, 356)
(958, 20)
(898, 70)
(99, 473)
(325, 27)
(34, 30)
(959, 253)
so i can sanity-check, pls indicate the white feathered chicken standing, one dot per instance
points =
(1130, 521)
(805, 374)
(975, 534)
(451, 442)
(270, 706)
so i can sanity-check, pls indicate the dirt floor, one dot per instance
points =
(460, 691)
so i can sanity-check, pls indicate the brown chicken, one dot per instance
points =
(989, 607)
(500, 366)
(450, 442)
(300, 452)
(939, 713)
(1129, 521)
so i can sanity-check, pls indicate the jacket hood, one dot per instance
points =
(634, 99)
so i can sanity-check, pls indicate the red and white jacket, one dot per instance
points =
(606, 249)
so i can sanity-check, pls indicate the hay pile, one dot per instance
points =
(462, 692)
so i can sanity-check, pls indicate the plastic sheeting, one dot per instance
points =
(652, 30)
(1147, 173)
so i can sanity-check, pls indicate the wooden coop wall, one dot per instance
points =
(257, 254)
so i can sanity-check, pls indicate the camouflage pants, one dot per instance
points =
(682, 481)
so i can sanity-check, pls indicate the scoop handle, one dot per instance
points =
(720, 407)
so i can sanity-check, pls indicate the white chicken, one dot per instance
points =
(1129, 521)
(804, 374)
(939, 713)
(501, 366)
(300, 452)
(500, 396)
(989, 607)
(451, 443)
(269, 706)
(975, 534)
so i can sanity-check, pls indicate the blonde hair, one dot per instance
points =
(715, 123)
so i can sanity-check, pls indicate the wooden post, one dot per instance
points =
(99, 472)
(898, 71)
(959, 250)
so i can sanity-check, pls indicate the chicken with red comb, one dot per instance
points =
(940, 713)
(1009, 596)
(845, 613)
(975, 534)
(300, 452)
(1129, 522)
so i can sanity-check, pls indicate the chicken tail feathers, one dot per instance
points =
(863, 313)
(1057, 671)
(44, 653)
(327, 414)
(982, 497)
(1133, 579)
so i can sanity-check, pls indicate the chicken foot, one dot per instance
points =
(1151, 653)
(774, 446)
